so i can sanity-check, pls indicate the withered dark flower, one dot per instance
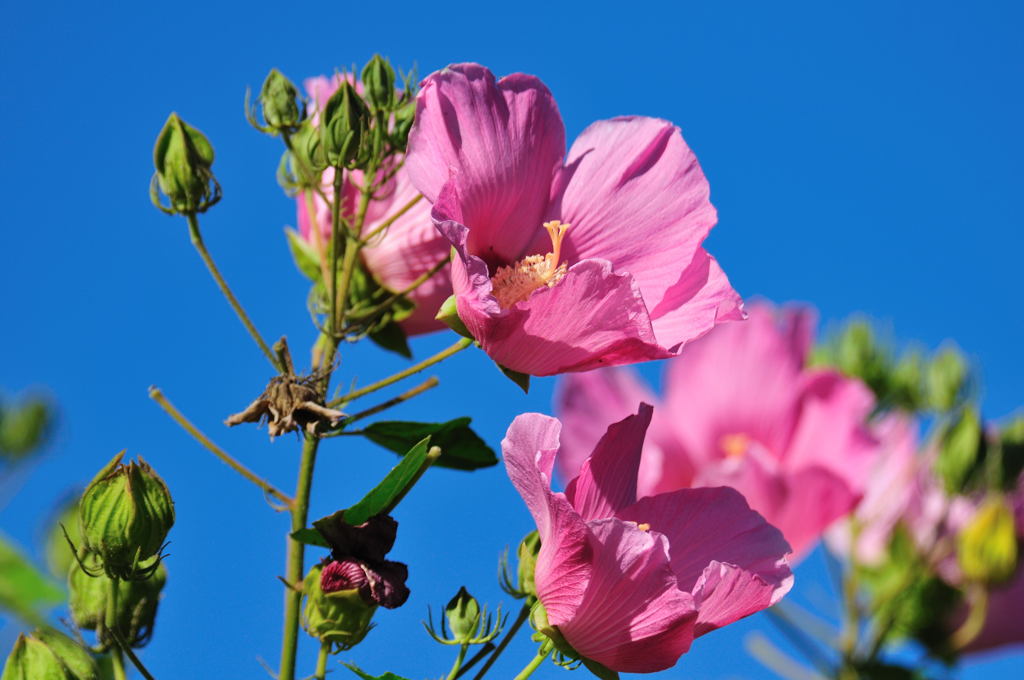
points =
(289, 403)
(357, 560)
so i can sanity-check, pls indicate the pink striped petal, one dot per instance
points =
(500, 142)
(633, 616)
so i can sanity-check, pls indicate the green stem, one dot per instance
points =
(332, 280)
(391, 220)
(460, 657)
(156, 395)
(118, 663)
(391, 299)
(197, 241)
(971, 628)
(412, 370)
(296, 560)
(799, 639)
(321, 661)
(528, 670)
(427, 384)
(475, 659)
(524, 614)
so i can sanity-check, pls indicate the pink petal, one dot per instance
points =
(584, 402)
(591, 318)
(726, 593)
(715, 524)
(563, 565)
(699, 301)
(636, 196)
(832, 433)
(633, 616)
(499, 142)
(742, 378)
(407, 250)
(607, 480)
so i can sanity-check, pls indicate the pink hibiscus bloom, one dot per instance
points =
(741, 410)
(565, 264)
(409, 248)
(629, 583)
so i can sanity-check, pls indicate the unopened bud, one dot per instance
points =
(463, 615)
(379, 83)
(23, 428)
(49, 655)
(340, 617)
(136, 603)
(343, 124)
(448, 314)
(946, 379)
(529, 547)
(960, 448)
(404, 118)
(183, 158)
(987, 547)
(125, 514)
(279, 99)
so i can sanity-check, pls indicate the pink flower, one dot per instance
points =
(565, 264)
(408, 249)
(629, 583)
(741, 410)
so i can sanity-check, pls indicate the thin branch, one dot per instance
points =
(427, 384)
(391, 220)
(156, 395)
(401, 375)
(197, 241)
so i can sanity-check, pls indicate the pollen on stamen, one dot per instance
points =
(515, 282)
(644, 527)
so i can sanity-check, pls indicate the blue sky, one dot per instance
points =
(863, 157)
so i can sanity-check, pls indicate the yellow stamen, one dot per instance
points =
(734, 445)
(515, 282)
(644, 527)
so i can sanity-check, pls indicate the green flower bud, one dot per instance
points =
(379, 83)
(341, 618)
(404, 118)
(49, 655)
(23, 428)
(136, 601)
(183, 158)
(279, 99)
(529, 547)
(343, 125)
(960, 450)
(125, 514)
(308, 152)
(463, 615)
(987, 547)
(946, 379)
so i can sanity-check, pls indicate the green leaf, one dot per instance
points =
(521, 379)
(306, 258)
(394, 484)
(960, 451)
(600, 671)
(460, 446)
(391, 337)
(310, 537)
(366, 676)
(24, 590)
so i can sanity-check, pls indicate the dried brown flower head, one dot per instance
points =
(289, 403)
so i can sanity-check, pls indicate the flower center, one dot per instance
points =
(515, 282)
(734, 445)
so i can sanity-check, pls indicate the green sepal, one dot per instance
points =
(461, 448)
(599, 670)
(307, 260)
(521, 379)
(448, 314)
(960, 451)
